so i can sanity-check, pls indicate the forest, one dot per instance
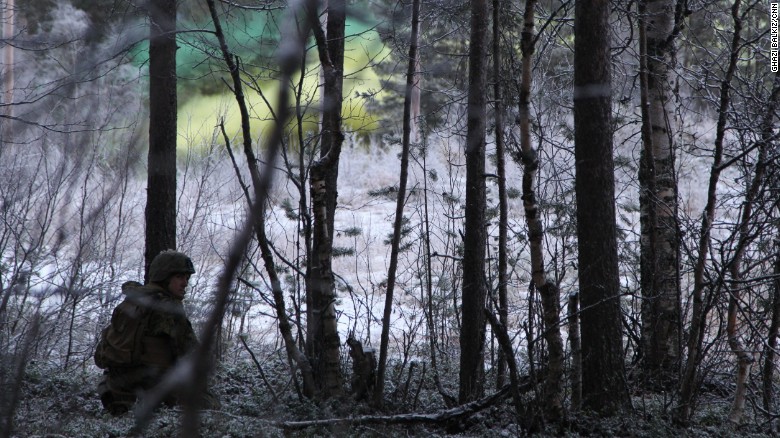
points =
(406, 218)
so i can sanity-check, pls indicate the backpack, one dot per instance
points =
(121, 342)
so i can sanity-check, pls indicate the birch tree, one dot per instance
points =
(548, 290)
(659, 257)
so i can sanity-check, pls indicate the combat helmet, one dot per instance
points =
(168, 263)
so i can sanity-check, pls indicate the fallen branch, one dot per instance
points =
(445, 416)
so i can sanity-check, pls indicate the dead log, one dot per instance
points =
(437, 418)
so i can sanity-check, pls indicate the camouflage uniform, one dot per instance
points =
(149, 331)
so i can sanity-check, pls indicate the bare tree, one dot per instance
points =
(294, 355)
(703, 293)
(746, 234)
(400, 201)
(548, 289)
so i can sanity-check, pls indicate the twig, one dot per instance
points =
(259, 368)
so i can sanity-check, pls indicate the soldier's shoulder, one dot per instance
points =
(144, 295)
(129, 286)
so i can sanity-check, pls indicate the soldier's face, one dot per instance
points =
(178, 285)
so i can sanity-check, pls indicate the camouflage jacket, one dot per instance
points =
(149, 327)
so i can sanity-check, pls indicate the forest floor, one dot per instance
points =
(56, 403)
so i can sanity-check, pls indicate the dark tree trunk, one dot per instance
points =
(503, 200)
(161, 184)
(399, 206)
(323, 339)
(472, 335)
(604, 387)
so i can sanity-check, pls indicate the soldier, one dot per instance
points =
(149, 332)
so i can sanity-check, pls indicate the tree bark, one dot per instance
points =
(322, 337)
(160, 210)
(472, 336)
(604, 387)
(399, 205)
(659, 261)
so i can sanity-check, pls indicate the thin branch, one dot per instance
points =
(259, 368)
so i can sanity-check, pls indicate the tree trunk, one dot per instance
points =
(399, 205)
(472, 335)
(548, 290)
(604, 387)
(576, 352)
(659, 259)
(161, 185)
(322, 337)
(503, 201)
(8, 62)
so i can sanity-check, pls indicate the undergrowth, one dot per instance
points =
(63, 403)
